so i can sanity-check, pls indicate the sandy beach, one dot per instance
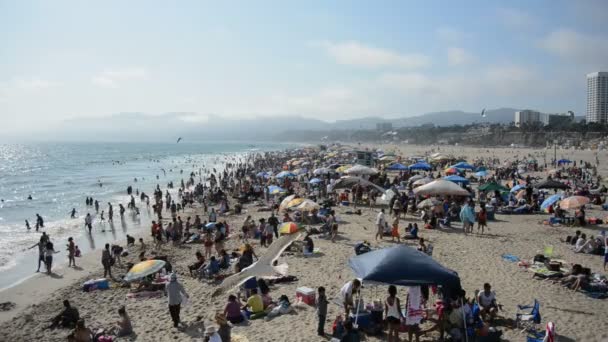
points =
(476, 258)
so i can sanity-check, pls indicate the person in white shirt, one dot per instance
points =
(347, 291)
(487, 302)
(380, 222)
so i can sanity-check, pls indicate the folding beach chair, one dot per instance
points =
(549, 335)
(527, 320)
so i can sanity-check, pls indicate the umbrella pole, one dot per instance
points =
(358, 302)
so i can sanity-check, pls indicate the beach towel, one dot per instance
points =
(414, 309)
(510, 257)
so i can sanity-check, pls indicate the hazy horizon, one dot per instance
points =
(65, 60)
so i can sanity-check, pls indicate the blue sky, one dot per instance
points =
(321, 59)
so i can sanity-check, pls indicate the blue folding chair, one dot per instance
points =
(527, 320)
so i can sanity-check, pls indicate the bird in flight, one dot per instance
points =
(483, 113)
(178, 140)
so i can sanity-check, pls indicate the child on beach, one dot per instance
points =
(395, 230)
(208, 243)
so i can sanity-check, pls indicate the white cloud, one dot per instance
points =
(516, 19)
(459, 56)
(33, 83)
(356, 54)
(578, 47)
(451, 34)
(113, 78)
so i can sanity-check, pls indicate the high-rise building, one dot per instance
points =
(527, 116)
(597, 97)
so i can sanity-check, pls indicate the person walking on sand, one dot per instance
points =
(106, 261)
(48, 256)
(71, 252)
(88, 222)
(380, 222)
(41, 244)
(175, 293)
(110, 212)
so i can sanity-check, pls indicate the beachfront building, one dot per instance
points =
(527, 117)
(597, 97)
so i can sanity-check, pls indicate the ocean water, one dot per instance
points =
(59, 176)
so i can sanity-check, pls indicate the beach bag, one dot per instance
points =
(539, 258)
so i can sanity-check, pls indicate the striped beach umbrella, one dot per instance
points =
(574, 202)
(144, 268)
(288, 228)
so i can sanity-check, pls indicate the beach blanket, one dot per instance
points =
(414, 310)
(510, 257)
(543, 271)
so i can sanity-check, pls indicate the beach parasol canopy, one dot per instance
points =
(564, 161)
(492, 186)
(464, 165)
(292, 203)
(551, 184)
(287, 174)
(457, 179)
(441, 187)
(404, 266)
(308, 205)
(551, 200)
(361, 170)
(341, 169)
(348, 182)
(573, 202)
(420, 166)
(397, 167)
(275, 190)
(415, 178)
(422, 181)
(482, 173)
(451, 171)
(288, 228)
(322, 171)
(428, 203)
(144, 268)
(315, 181)
(518, 187)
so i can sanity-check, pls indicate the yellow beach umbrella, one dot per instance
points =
(288, 228)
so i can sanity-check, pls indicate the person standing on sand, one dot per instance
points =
(380, 222)
(71, 252)
(106, 261)
(175, 294)
(88, 222)
(48, 256)
(110, 212)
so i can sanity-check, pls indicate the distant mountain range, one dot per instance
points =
(145, 127)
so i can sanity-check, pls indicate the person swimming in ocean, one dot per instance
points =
(28, 197)
(97, 206)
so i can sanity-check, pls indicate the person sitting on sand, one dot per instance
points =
(224, 260)
(487, 302)
(421, 245)
(246, 259)
(81, 333)
(255, 304)
(347, 293)
(67, 318)
(212, 269)
(200, 261)
(350, 334)
(413, 232)
(309, 246)
(124, 328)
(232, 310)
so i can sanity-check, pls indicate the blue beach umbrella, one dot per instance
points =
(457, 179)
(397, 167)
(315, 181)
(518, 187)
(275, 190)
(287, 174)
(550, 201)
(464, 165)
(482, 173)
(420, 166)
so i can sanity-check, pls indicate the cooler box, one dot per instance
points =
(363, 319)
(96, 284)
(307, 295)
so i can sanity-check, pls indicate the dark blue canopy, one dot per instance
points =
(420, 166)
(456, 179)
(397, 167)
(403, 266)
